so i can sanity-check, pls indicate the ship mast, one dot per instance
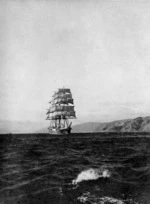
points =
(61, 109)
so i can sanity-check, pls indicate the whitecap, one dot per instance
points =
(91, 174)
(93, 199)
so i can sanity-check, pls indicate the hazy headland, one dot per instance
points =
(139, 124)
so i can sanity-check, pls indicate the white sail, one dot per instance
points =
(63, 101)
(62, 95)
(61, 110)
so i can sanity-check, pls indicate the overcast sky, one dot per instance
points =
(99, 49)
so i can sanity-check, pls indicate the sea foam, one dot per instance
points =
(94, 199)
(88, 198)
(91, 174)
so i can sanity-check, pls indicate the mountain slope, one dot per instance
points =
(140, 124)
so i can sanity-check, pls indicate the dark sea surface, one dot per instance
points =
(79, 168)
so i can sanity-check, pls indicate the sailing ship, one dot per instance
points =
(60, 111)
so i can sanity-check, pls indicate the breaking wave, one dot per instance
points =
(91, 174)
(88, 198)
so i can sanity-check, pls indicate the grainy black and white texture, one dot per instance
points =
(82, 168)
(100, 49)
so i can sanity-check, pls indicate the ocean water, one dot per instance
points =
(79, 168)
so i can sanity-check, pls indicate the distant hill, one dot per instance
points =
(140, 124)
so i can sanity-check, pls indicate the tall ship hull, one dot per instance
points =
(61, 110)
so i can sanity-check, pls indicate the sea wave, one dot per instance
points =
(91, 174)
(92, 199)
(40, 169)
